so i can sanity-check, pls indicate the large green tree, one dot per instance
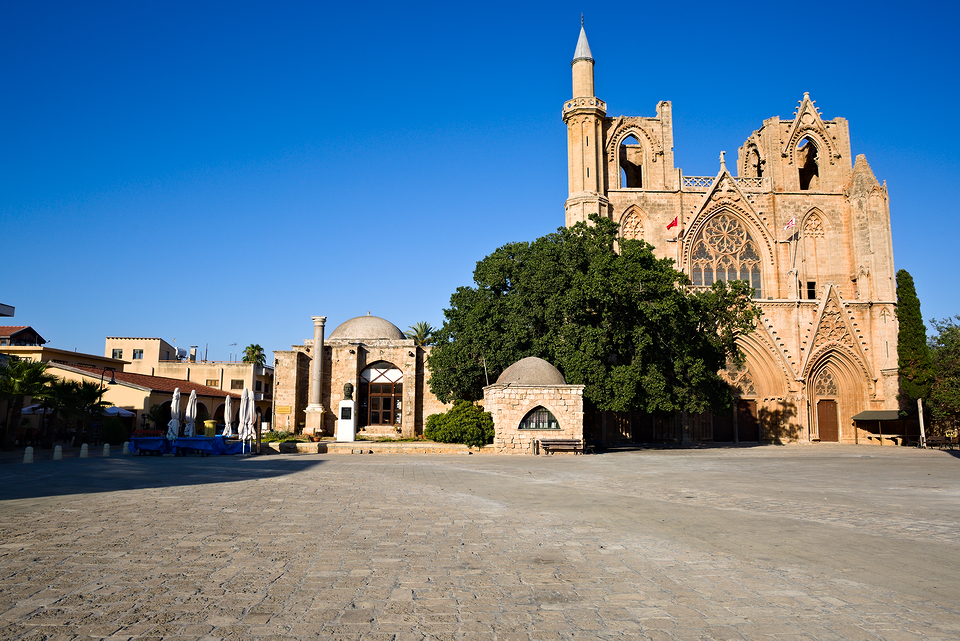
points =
(913, 355)
(20, 380)
(945, 388)
(606, 311)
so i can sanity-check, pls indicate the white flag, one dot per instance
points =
(790, 223)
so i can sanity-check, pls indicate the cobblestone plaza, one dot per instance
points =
(799, 542)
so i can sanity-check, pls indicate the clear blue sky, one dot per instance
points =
(217, 173)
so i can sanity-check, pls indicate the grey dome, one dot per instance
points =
(531, 371)
(370, 327)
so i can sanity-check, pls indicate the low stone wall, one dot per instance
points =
(370, 447)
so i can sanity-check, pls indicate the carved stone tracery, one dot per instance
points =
(631, 225)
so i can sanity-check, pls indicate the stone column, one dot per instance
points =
(315, 410)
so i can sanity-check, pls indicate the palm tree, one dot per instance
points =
(19, 380)
(254, 354)
(89, 404)
(421, 333)
(60, 399)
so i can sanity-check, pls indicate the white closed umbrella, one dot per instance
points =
(173, 427)
(246, 416)
(228, 418)
(190, 416)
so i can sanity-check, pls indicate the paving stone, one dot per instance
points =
(414, 547)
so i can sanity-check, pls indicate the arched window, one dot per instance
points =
(631, 163)
(539, 418)
(381, 395)
(725, 251)
(807, 163)
(754, 164)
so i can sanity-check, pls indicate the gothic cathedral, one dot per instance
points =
(805, 226)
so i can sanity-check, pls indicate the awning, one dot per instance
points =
(878, 415)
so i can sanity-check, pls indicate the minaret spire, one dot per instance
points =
(583, 47)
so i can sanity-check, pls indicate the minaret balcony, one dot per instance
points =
(586, 103)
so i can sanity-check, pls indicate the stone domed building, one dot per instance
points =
(385, 369)
(530, 402)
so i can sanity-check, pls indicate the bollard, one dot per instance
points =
(84, 451)
(28, 455)
(58, 453)
(126, 447)
(106, 450)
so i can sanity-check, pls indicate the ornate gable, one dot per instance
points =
(835, 328)
(724, 194)
(807, 120)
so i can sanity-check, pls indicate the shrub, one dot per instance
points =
(463, 423)
(113, 431)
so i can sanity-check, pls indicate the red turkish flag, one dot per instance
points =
(674, 223)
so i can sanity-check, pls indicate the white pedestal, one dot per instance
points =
(346, 421)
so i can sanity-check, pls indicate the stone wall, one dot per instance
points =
(509, 404)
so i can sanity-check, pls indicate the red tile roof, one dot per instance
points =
(10, 330)
(161, 383)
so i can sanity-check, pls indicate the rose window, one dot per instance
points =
(724, 251)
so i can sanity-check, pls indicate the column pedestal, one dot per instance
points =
(346, 422)
(314, 420)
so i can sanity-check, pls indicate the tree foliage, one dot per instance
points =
(464, 423)
(944, 398)
(20, 380)
(605, 311)
(422, 333)
(254, 354)
(913, 354)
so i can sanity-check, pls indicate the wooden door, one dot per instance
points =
(748, 427)
(827, 421)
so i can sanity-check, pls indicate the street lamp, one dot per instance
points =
(112, 381)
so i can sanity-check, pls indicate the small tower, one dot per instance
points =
(583, 115)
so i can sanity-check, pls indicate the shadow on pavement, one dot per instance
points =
(48, 478)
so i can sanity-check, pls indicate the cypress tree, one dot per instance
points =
(913, 355)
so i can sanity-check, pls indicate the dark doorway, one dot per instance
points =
(723, 427)
(748, 426)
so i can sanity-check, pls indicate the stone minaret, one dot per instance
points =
(583, 115)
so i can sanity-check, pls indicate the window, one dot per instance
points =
(724, 251)
(631, 164)
(166, 355)
(213, 382)
(539, 418)
(4, 341)
(811, 290)
(807, 165)
(236, 383)
(118, 354)
(138, 354)
(258, 386)
(381, 395)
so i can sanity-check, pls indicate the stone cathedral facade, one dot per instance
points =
(802, 221)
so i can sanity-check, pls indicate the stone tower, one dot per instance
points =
(803, 222)
(583, 115)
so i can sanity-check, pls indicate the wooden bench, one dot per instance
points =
(551, 445)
